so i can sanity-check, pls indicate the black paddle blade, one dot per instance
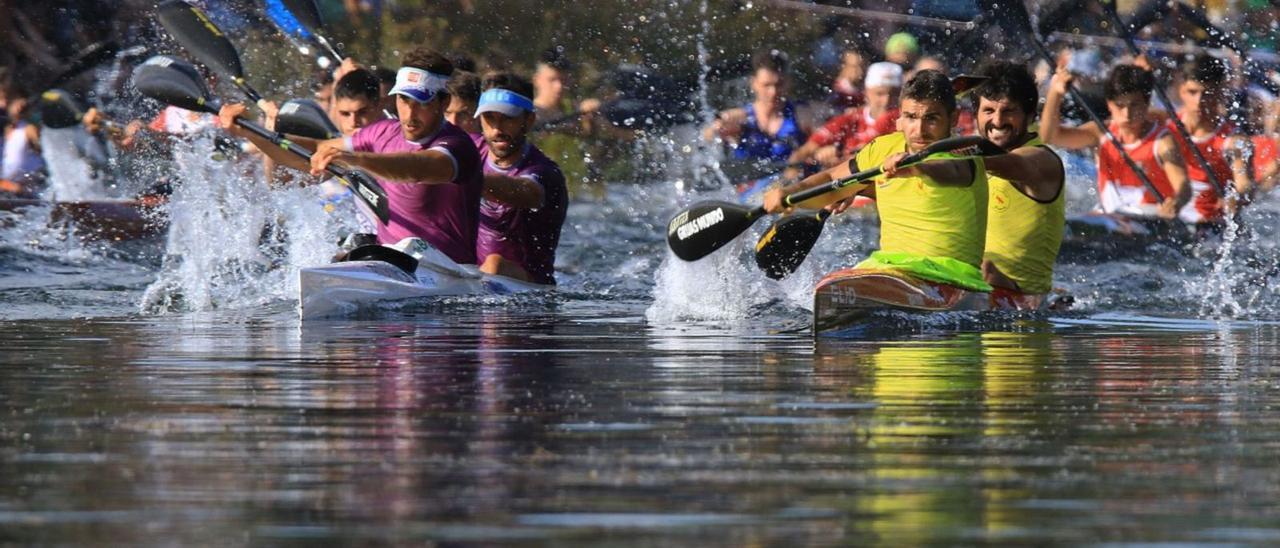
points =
(59, 110)
(193, 29)
(173, 82)
(370, 192)
(707, 226)
(306, 12)
(305, 117)
(783, 248)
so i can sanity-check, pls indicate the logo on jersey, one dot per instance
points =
(999, 201)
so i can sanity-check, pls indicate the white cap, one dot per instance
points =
(883, 74)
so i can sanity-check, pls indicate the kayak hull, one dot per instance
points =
(345, 288)
(846, 298)
(100, 219)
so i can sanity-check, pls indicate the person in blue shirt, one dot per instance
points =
(769, 128)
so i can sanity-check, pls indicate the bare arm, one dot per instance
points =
(727, 126)
(1175, 169)
(426, 166)
(1051, 129)
(518, 192)
(1239, 153)
(227, 121)
(1034, 171)
(798, 158)
(773, 198)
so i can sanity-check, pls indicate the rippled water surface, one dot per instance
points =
(575, 423)
(165, 392)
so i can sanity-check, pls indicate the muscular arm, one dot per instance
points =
(803, 154)
(1174, 168)
(726, 126)
(518, 192)
(1034, 171)
(1053, 132)
(1239, 152)
(836, 172)
(227, 121)
(426, 166)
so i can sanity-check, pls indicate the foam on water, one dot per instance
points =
(233, 242)
(32, 230)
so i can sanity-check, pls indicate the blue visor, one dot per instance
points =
(505, 102)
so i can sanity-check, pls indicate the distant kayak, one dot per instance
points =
(1110, 236)
(101, 219)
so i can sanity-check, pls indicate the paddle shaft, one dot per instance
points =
(245, 88)
(1079, 99)
(333, 51)
(793, 199)
(907, 161)
(1177, 122)
(359, 188)
(286, 144)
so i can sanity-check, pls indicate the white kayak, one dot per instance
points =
(343, 288)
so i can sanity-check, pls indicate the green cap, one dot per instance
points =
(901, 42)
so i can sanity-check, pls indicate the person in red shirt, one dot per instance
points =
(1201, 89)
(1146, 139)
(844, 134)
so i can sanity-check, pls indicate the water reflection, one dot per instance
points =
(478, 423)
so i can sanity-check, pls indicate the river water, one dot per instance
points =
(165, 392)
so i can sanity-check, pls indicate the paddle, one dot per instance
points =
(306, 118)
(193, 29)
(174, 82)
(91, 57)
(309, 15)
(706, 226)
(783, 247)
(1110, 8)
(1024, 19)
(58, 110)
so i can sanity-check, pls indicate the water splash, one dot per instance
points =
(234, 243)
(67, 153)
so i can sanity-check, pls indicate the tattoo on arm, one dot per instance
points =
(1169, 151)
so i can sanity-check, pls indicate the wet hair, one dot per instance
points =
(322, 78)
(931, 85)
(1009, 81)
(431, 61)
(1206, 69)
(386, 76)
(509, 81)
(554, 57)
(358, 84)
(465, 85)
(461, 61)
(428, 60)
(1126, 79)
(770, 59)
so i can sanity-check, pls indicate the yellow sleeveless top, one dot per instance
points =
(920, 216)
(1023, 235)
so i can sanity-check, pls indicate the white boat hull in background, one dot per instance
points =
(341, 289)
